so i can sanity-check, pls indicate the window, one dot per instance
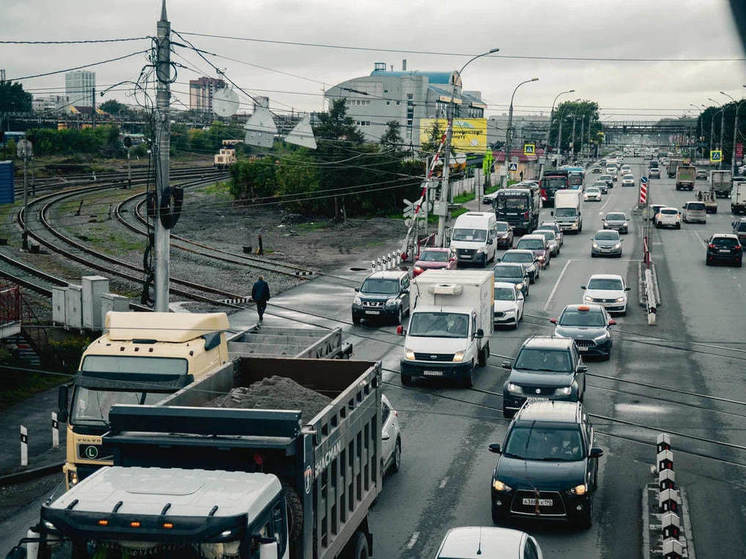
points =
(385, 412)
(530, 551)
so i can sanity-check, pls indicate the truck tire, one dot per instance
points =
(360, 550)
(295, 511)
(483, 354)
(468, 380)
(406, 380)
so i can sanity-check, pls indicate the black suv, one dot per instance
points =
(548, 466)
(545, 367)
(512, 273)
(724, 247)
(383, 295)
(739, 229)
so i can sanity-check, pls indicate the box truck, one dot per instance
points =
(568, 210)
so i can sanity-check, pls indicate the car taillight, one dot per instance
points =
(711, 246)
(543, 194)
(525, 215)
(738, 248)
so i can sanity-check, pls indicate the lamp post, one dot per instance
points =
(549, 128)
(572, 144)
(699, 138)
(509, 131)
(735, 133)
(440, 241)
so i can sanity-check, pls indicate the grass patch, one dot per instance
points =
(220, 189)
(312, 226)
(463, 198)
(458, 211)
(18, 390)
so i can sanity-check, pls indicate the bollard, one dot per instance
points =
(663, 442)
(669, 501)
(672, 549)
(671, 525)
(666, 480)
(55, 431)
(24, 446)
(665, 460)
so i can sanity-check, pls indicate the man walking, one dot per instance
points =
(260, 295)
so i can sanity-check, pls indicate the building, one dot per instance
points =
(404, 96)
(50, 103)
(201, 92)
(80, 87)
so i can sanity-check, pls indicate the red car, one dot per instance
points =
(434, 259)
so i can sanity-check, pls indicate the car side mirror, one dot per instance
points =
(490, 241)
(553, 320)
(506, 365)
(62, 402)
(582, 287)
(400, 330)
(612, 322)
(596, 453)
(495, 448)
(357, 290)
(480, 333)
(627, 288)
(385, 436)
(582, 369)
(551, 213)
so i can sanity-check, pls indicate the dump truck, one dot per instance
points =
(191, 480)
(143, 357)
(685, 177)
(720, 183)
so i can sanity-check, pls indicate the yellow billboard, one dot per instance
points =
(469, 134)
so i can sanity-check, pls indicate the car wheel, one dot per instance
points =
(399, 315)
(678, 226)
(593, 255)
(532, 279)
(406, 380)
(497, 517)
(708, 261)
(739, 262)
(356, 320)
(396, 462)
(624, 312)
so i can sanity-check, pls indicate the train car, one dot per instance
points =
(225, 158)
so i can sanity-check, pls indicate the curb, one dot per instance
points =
(30, 474)
(645, 524)
(687, 525)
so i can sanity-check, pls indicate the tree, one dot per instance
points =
(391, 140)
(13, 99)
(115, 108)
(564, 113)
(253, 178)
(298, 182)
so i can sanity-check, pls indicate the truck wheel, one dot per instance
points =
(396, 463)
(295, 511)
(406, 380)
(360, 551)
(482, 356)
(468, 380)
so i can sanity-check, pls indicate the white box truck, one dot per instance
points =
(720, 183)
(738, 197)
(474, 238)
(568, 210)
(450, 326)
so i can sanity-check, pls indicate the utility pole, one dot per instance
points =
(572, 156)
(509, 132)
(559, 139)
(93, 108)
(25, 200)
(722, 129)
(162, 143)
(735, 139)
(582, 133)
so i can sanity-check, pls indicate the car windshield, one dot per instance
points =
(741, 226)
(544, 360)
(504, 294)
(530, 244)
(575, 317)
(469, 235)
(501, 226)
(439, 325)
(669, 212)
(605, 177)
(607, 236)
(380, 286)
(522, 257)
(609, 284)
(434, 256)
(598, 184)
(512, 202)
(536, 442)
(695, 206)
(593, 190)
(565, 212)
(512, 272)
(615, 217)
(548, 235)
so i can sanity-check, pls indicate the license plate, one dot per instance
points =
(725, 251)
(542, 502)
(372, 312)
(582, 348)
(433, 373)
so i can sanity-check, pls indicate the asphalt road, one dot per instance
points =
(697, 346)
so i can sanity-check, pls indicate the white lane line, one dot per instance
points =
(443, 482)
(641, 408)
(556, 284)
(413, 540)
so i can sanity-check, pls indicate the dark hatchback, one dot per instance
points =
(588, 325)
(548, 465)
(512, 273)
(545, 367)
(724, 247)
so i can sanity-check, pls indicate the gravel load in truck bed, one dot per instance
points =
(275, 392)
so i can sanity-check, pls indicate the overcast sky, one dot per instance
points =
(561, 28)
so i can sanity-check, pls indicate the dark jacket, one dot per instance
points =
(260, 291)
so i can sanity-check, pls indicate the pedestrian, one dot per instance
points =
(260, 295)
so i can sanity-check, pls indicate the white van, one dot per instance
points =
(694, 211)
(568, 210)
(474, 238)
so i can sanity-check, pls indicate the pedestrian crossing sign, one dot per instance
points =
(529, 149)
(716, 156)
(513, 167)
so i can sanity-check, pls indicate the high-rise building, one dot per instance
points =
(80, 86)
(201, 92)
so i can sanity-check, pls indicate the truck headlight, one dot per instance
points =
(514, 388)
(409, 354)
(564, 391)
(581, 489)
(357, 301)
(620, 300)
(458, 356)
(498, 485)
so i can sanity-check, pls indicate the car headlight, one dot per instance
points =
(624, 224)
(595, 245)
(480, 250)
(603, 337)
(458, 356)
(541, 258)
(618, 245)
(519, 285)
(498, 485)
(514, 388)
(581, 489)
(356, 301)
(409, 354)
(620, 300)
(391, 302)
(564, 391)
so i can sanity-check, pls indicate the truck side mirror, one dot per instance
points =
(480, 333)
(62, 399)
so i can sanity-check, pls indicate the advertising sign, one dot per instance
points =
(469, 134)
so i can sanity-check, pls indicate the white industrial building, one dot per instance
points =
(80, 86)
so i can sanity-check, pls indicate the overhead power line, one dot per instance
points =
(79, 67)
(81, 42)
(463, 54)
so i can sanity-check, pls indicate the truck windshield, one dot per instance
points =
(92, 406)
(439, 325)
(565, 212)
(512, 202)
(535, 442)
(469, 235)
(132, 364)
(381, 286)
(554, 182)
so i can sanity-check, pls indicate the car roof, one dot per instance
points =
(541, 237)
(504, 284)
(389, 274)
(507, 264)
(547, 342)
(589, 306)
(436, 249)
(606, 276)
(475, 542)
(616, 212)
(605, 231)
(725, 236)
(518, 251)
(555, 411)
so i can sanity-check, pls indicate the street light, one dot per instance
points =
(509, 131)
(447, 156)
(549, 128)
(735, 132)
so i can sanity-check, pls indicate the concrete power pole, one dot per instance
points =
(582, 133)
(559, 140)
(444, 188)
(93, 108)
(572, 157)
(162, 142)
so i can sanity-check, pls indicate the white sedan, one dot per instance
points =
(391, 434)
(592, 193)
(628, 180)
(508, 305)
(668, 217)
(607, 290)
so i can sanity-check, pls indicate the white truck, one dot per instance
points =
(450, 327)
(720, 183)
(738, 196)
(568, 210)
(474, 238)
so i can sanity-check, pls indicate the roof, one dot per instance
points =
(589, 306)
(147, 491)
(548, 342)
(473, 277)
(475, 542)
(433, 77)
(440, 308)
(532, 236)
(505, 284)
(605, 276)
(725, 236)
(389, 274)
(163, 326)
(550, 410)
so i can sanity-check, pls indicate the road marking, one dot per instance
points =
(556, 284)
(413, 540)
(640, 408)
(443, 482)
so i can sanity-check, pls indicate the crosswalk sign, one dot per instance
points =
(529, 149)
(716, 156)
(513, 167)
